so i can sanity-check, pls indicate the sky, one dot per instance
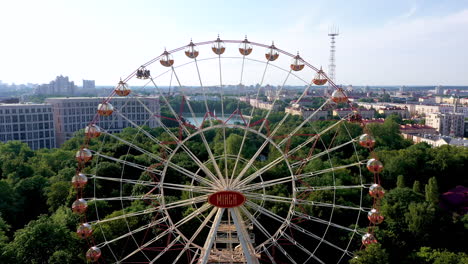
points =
(399, 42)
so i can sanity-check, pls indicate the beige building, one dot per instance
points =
(306, 112)
(344, 112)
(75, 113)
(30, 123)
(452, 124)
(401, 111)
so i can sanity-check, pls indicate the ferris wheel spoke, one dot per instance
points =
(222, 116)
(171, 109)
(252, 111)
(323, 153)
(132, 232)
(262, 229)
(243, 236)
(265, 249)
(127, 215)
(277, 92)
(327, 188)
(288, 200)
(301, 247)
(206, 249)
(170, 230)
(140, 129)
(322, 221)
(202, 135)
(171, 186)
(174, 166)
(128, 163)
(126, 198)
(203, 90)
(290, 224)
(181, 143)
(196, 233)
(166, 249)
(277, 127)
(287, 179)
(306, 121)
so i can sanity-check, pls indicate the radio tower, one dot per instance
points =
(332, 33)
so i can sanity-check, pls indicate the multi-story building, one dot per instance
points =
(306, 112)
(401, 111)
(74, 113)
(448, 124)
(259, 103)
(365, 113)
(29, 123)
(60, 86)
(89, 85)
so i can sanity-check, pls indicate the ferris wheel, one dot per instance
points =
(222, 177)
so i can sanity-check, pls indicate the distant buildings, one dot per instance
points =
(30, 123)
(437, 141)
(449, 124)
(74, 113)
(344, 112)
(401, 111)
(89, 85)
(60, 86)
(306, 112)
(259, 103)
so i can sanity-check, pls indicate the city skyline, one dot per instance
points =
(397, 43)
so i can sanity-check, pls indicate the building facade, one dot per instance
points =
(30, 123)
(448, 124)
(75, 113)
(60, 86)
(346, 112)
(306, 112)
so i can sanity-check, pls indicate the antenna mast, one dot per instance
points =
(332, 33)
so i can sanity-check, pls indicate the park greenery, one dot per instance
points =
(38, 226)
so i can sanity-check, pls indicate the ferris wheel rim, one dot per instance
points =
(242, 127)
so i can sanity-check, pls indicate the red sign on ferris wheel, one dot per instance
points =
(226, 199)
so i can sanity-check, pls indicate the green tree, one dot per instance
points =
(417, 187)
(428, 255)
(371, 255)
(400, 181)
(432, 191)
(39, 240)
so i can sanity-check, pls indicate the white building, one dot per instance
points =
(29, 123)
(75, 113)
(448, 124)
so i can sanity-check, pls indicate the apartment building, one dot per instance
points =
(75, 113)
(29, 123)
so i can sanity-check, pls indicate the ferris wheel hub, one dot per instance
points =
(227, 199)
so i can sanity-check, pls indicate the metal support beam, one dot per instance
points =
(244, 238)
(205, 254)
